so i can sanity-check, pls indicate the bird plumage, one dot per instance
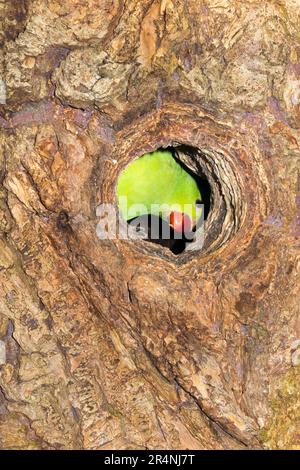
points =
(157, 184)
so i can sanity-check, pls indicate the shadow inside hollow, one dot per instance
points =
(156, 230)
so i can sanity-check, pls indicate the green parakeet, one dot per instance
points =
(156, 184)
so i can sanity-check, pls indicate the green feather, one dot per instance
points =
(157, 179)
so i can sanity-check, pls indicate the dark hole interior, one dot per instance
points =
(177, 246)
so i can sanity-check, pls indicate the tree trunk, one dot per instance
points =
(120, 344)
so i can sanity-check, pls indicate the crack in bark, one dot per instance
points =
(210, 418)
(195, 400)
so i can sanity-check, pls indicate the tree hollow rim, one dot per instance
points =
(226, 209)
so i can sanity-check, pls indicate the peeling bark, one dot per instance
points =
(116, 344)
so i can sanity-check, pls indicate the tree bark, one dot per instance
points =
(119, 344)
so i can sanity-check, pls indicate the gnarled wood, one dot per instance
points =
(115, 344)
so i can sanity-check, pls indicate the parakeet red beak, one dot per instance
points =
(180, 222)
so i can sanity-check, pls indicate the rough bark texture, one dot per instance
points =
(113, 344)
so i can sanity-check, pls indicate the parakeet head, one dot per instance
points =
(157, 184)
